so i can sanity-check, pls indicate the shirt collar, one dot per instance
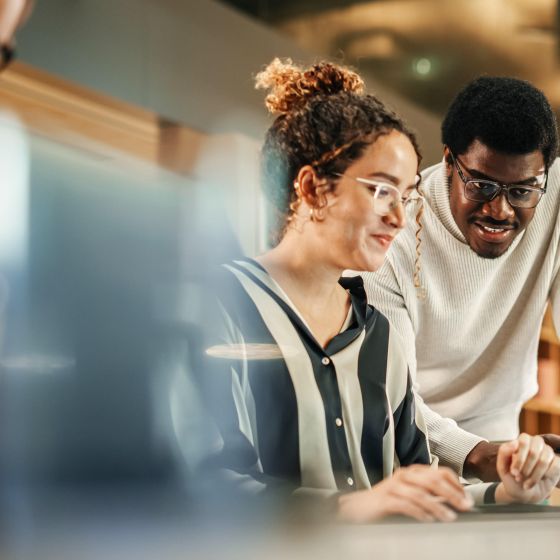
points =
(358, 300)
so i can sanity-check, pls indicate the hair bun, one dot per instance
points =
(291, 86)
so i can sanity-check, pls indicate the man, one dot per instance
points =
(488, 266)
(13, 13)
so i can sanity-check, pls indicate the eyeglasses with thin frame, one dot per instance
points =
(386, 197)
(518, 195)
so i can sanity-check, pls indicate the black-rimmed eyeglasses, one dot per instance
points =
(519, 195)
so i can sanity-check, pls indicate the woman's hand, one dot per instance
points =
(419, 491)
(528, 469)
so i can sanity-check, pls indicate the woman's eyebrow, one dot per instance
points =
(391, 178)
(387, 176)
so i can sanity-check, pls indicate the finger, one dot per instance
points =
(541, 468)
(419, 473)
(553, 472)
(402, 506)
(444, 485)
(535, 449)
(431, 505)
(504, 459)
(524, 443)
(451, 478)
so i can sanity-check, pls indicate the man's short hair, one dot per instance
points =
(506, 114)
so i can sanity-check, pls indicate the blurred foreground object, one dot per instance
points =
(13, 14)
(101, 256)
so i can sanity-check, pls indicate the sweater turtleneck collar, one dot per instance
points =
(437, 192)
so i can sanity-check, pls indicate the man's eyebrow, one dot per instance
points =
(474, 174)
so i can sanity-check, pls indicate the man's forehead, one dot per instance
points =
(483, 160)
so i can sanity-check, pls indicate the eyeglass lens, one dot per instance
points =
(386, 200)
(520, 196)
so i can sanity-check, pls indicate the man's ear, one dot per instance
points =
(448, 158)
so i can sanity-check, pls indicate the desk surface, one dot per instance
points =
(156, 529)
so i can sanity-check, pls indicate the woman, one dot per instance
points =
(320, 401)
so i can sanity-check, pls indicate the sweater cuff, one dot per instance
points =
(453, 450)
(482, 493)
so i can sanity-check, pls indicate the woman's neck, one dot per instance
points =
(311, 283)
(298, 263)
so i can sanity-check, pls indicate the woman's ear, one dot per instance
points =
(306, 182)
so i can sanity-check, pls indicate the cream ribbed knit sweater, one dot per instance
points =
(472, 342)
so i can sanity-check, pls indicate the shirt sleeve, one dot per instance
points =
(448, 441)
(232, 469)
(411, 443)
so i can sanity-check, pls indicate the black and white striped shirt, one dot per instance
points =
(292, 414)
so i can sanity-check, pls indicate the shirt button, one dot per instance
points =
(325, 361)
(338, 422)
(350, 481)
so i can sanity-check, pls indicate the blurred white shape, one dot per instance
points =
(14, 190)
(37, 363)
(249, 351)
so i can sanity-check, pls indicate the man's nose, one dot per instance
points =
(499, 208)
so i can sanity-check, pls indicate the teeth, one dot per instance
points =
(492, 230)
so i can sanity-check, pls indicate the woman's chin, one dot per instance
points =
(369, 264)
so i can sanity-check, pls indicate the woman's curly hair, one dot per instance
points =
(324, 119)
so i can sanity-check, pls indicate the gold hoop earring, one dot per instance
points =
(291, 219)
(317, 214)
(320, 213)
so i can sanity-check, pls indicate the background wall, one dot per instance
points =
(191, 62)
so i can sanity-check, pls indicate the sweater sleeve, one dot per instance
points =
(448, 441)
(554, 296)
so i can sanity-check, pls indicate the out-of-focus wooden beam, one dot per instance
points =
(65, 112)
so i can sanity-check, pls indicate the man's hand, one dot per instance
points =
(481, 462)
(418, 491)
(553, 440)
(528, 469)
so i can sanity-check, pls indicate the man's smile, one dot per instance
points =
(493, 231)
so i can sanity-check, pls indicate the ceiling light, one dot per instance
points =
(422, 66)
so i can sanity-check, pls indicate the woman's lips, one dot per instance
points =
(383, 240)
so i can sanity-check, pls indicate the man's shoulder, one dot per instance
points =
(553, 180)
(430, 175)
(547, 215)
